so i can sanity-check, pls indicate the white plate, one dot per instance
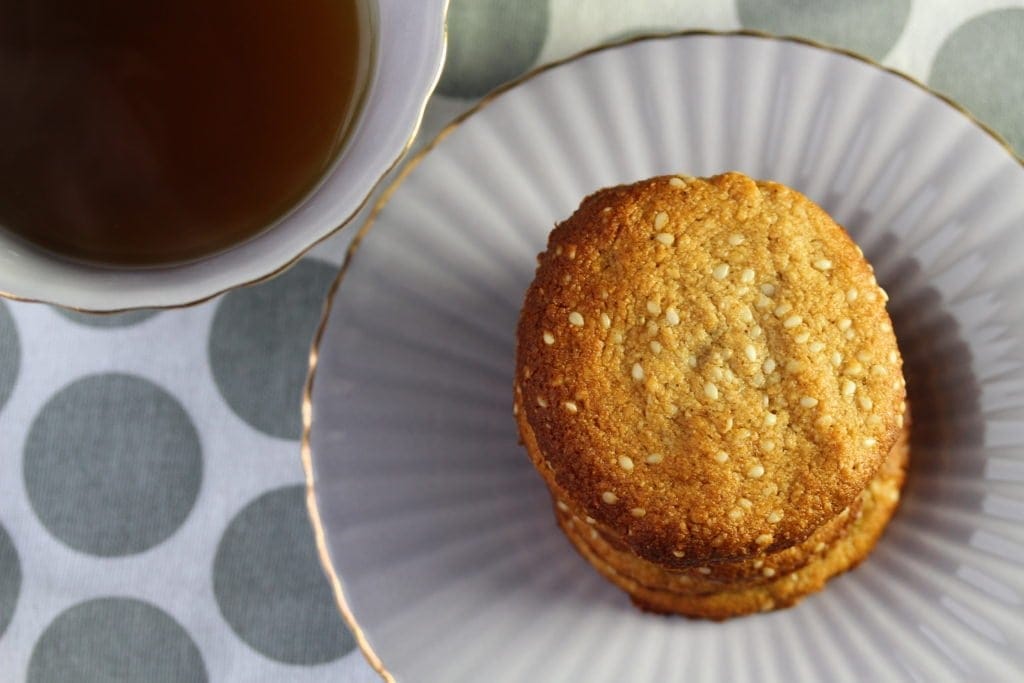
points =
(438, 535)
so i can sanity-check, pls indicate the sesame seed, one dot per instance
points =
(653, 307)
(849, 388)
(825, 421)
(768, 289)
(782, 309)
(770, 419)
(590, 520)
(763, 539)
(570, 251)
(878, 370)
(637, 372)
(756, 331)
(676, 182)
(851, 295)
(893, 356)
(638, 512)
(576, 319)
(746, 315)
(720, 271)
(863, 356)
(771, 488)
(802, 337)
(626, 463)
(666, 238)
(763, 302)
(593, 534)
(837, 358)
(769, 366)
(549, 338)
(515, 408)
(721, 457)
(816, 346)
(885, 327)
(774, 517)
(756, 471)
(730, 376)
(794, 366)
(736, 239)
(854, 369)
(767, 445)
(767, 571)
(542, 402)
(609, 498)
(660, 220)
(562, 506)
(823, 264)
(606, 322)
(735, 514)
(899, 420)
(850, 334)
(747, 276)
(691, 361)
(654, 458)
(617, 336)
(792, 321)
(710, 390)
(704, 570)
(672, 316)
(870, 441)
(745, 503)
(652, 328)
(871, 296)
(844, 324)
(558, 250)
(678, 553)
(750, 352)
(821, 546)
(571, 407)
(874, 420)
(865, 402)
(655, 346)
(758, 563)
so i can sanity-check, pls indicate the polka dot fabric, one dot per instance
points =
(152, 513)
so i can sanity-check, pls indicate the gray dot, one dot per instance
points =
(490, 42)
(115, 640)
(112, 464)
(268, 551)
(10, 355)
(870, 27)
(10, 579)
(259, 346)
(107, 319)
(980, 65)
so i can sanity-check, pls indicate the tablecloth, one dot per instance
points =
(152, 520)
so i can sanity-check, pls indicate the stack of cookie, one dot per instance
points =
(709, 384)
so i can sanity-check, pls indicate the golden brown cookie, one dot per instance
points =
(705, 367)
(878, 500)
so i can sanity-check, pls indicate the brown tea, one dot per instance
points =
(147, 133)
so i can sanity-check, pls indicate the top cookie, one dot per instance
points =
(706, 366)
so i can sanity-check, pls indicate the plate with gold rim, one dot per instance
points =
(437, 534)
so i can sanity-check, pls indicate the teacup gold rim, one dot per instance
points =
(414, 131)
(306, 453)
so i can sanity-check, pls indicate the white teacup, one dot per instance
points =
(408, 54)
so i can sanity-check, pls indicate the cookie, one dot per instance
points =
(706, 369)
(878, 501)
